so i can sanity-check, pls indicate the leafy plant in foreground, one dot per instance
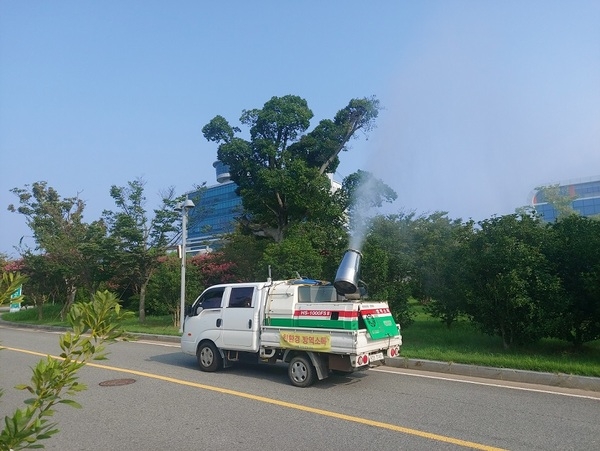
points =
(54, 379)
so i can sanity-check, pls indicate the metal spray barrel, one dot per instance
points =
(346, 278)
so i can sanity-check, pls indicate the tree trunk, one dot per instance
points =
(505, 344)
(39, 304)
(578, 338)
(351, 128)
(142, 309)
(71, 292)
(176, 316)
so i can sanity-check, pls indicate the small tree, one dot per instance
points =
(212, 269)
(245, 249)
(9, 284)
(388, 263)
(54, 380)
(510, 279)
(164, 289)
(162, 294)
(44, 283)
(559, 198)
(573, 248)
(139, 240)
(440, 252)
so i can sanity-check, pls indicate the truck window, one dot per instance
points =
(317, 294)
(241, 297)
(209, 300)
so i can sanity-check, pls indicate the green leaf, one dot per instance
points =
(71, 403)
(23, 387)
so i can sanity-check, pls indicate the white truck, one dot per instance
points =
(314, 326)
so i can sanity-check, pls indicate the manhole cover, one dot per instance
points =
(116, 382)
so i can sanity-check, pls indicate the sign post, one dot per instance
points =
(15, 306)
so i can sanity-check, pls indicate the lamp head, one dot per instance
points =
(186, 204)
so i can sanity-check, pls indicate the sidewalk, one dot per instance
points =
(503, 374)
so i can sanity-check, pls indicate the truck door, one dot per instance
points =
(240, 320)
(205, 321)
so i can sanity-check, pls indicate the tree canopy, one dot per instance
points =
(281, 170)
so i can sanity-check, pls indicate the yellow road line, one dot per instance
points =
(326, 413)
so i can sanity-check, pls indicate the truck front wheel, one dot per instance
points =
(209, 358)
(301, 371)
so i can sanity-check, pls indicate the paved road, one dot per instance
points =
(171, 405)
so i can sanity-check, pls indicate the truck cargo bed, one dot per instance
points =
(335, 341)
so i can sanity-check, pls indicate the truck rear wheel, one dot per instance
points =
(209, 357)
(301, 371)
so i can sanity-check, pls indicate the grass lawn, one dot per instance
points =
(431, 340)
(426, 339)
(159, 325)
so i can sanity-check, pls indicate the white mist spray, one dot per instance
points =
(366, 198)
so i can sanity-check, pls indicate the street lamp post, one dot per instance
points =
(185, 207)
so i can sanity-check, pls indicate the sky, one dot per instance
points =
(482, 100)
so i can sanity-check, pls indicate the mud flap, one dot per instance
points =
(320, 363)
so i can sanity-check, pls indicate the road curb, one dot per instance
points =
(163, 338)
(504, 374)
(137, 336)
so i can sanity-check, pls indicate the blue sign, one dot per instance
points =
(17, 292)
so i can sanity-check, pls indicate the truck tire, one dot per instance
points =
(209, 358)
(301, 371)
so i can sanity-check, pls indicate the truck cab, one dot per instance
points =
(227, 315)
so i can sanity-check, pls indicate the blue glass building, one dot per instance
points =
(585, 195)
(214, 215)
(215, 212)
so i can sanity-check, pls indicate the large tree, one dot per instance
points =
(281, 171)
(140, 239)
(71, 246)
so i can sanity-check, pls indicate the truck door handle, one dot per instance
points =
(219, 322)
(249, 324)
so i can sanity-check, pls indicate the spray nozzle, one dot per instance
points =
(346, 278)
